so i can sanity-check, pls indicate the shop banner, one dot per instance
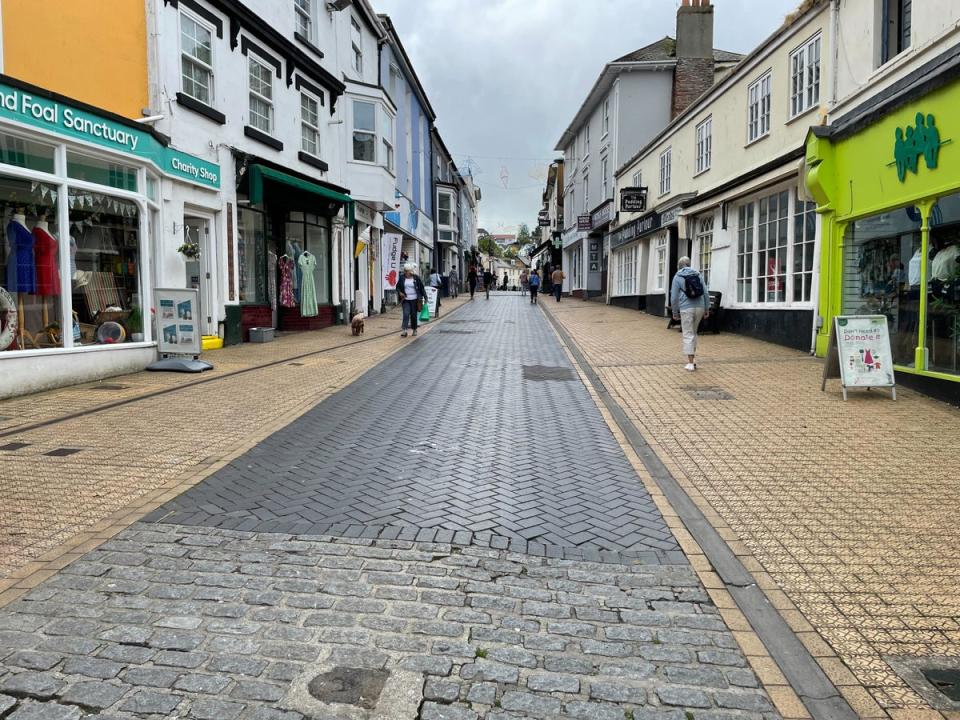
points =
(42, 112)
(860, 353)
(432, 296)
(178, 321)
(390, 259)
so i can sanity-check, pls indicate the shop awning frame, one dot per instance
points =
(258, 173)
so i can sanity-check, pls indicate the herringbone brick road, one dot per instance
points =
(478, 433)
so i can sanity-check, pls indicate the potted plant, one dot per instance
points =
(135, 324)
(190, 250)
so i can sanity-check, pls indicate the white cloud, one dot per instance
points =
(506, 76)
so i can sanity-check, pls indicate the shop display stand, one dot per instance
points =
(179, 364)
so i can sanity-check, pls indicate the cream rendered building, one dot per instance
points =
(725, 187)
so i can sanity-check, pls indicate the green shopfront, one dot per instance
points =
(82, 213)
(886, 178)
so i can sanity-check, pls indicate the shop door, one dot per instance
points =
(199, 274)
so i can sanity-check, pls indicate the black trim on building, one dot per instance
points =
(947, 391)
(259, 136)
(302, 39)
(314, 161)
(246, 45)
(198, 107)
(655, 305)
(631, 302)
(244, 159)
(201, 11)
(300, 82)
(783, 326)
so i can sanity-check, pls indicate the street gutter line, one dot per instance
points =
(20, 429)
(818, 693)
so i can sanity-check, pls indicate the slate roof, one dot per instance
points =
(666, 49)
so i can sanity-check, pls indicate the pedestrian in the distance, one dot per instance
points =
(557, 278)
(524, 282)
(506, 281)
(534, 283)
(436, 282)
(411, 292)
(453, 282)
(488, 280)
(690, 303)
(472, 279)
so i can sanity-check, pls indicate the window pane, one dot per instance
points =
(251, 248)
(196, 40)
(261, 79)
(260, 113)
(102, 172)
(309, 110)
(196, 81)
(364, 146)
(26, 153)
(364, 116)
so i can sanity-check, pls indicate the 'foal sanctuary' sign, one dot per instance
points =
(860, 350)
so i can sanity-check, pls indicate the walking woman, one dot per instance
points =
(472, 279)
(534, 285)
(412, 294)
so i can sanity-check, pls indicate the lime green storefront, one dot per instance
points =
(886, 178)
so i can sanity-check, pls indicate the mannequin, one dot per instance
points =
(21, 271)
(48, 272)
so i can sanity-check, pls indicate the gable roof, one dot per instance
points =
(666, 49)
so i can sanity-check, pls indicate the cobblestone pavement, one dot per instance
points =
(126, 454)
(203, 621)
(193, 622)
(847, 512)
(479, 429)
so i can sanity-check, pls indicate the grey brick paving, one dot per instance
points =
(470, 659)
(447, 442)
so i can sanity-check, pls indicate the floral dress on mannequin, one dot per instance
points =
(286, 282)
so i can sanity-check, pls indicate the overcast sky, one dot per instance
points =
(505, 77)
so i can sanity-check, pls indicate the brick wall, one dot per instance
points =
(691, 78)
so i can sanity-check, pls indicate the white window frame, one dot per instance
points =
(704, 144)
(665, 169)
(626, 264)
(606, 118)
(451, 210)
(357, 60)
(253, 59)
(637, 179)
(805, 77)
(758, 107)
(194, 60)
(586, 192)
(303, 18)
(659, 264)
(604, 177)
(745, 258)
(586, 141)
(704, 247)
(386, 140)
(306, 126)
(354, 130)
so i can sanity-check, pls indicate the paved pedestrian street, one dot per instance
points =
(457, 533)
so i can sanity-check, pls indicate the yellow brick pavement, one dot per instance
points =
(846, 512)
(136, 449)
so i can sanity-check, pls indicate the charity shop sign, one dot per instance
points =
(860, 353)
(43, 112)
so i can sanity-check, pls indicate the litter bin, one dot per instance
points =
(232, 332)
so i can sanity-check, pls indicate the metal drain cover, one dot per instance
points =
(14, 446)
(349, 686)
(538, 373)
(708, 393)
(946, 682)
(934, 678)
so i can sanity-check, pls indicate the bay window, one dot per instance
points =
(705, 246)
(364, 131)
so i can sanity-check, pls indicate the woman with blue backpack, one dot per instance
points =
(690, 303)
(534, 284)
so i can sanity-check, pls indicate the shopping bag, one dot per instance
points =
(425, 313)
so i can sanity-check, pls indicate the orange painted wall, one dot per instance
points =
(91, 50)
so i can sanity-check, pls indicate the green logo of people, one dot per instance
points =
(922, 139)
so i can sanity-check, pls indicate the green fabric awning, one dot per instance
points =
(259, 173)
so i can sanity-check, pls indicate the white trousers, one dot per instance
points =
(689, 322)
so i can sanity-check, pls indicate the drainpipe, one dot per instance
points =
(835, 52)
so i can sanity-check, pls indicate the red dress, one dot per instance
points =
(45, 254)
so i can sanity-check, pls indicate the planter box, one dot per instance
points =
(261, 334)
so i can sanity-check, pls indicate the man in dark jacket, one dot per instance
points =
(411, 292)
(488, 280)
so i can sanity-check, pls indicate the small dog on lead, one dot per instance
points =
(357, 324)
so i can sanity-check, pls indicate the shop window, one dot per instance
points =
(261, 95)
(627, 271)
(882, 275)
(106, 283)
(804, 241)
(705, 246)
(758, 121)
(252, 256)
(101, 172)
(895, 26)
(196, 59)
(303, 16)
(943, 287)
(309, 124)
(665, 162)
(364, 131)
(704, 144)
(805, 76)
(306, 232)
(772, 227)
(745, 253)
(26, 153)
(30, 282)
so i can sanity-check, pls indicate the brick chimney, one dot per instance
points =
(693, 75)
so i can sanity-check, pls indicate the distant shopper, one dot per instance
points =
(472, 279)
(557, 278)
(436, 282)
(488, 280)
(534, 284)
(453, 282)
(411, 292)
(506, 281)
(524, 282)
(690, 303)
